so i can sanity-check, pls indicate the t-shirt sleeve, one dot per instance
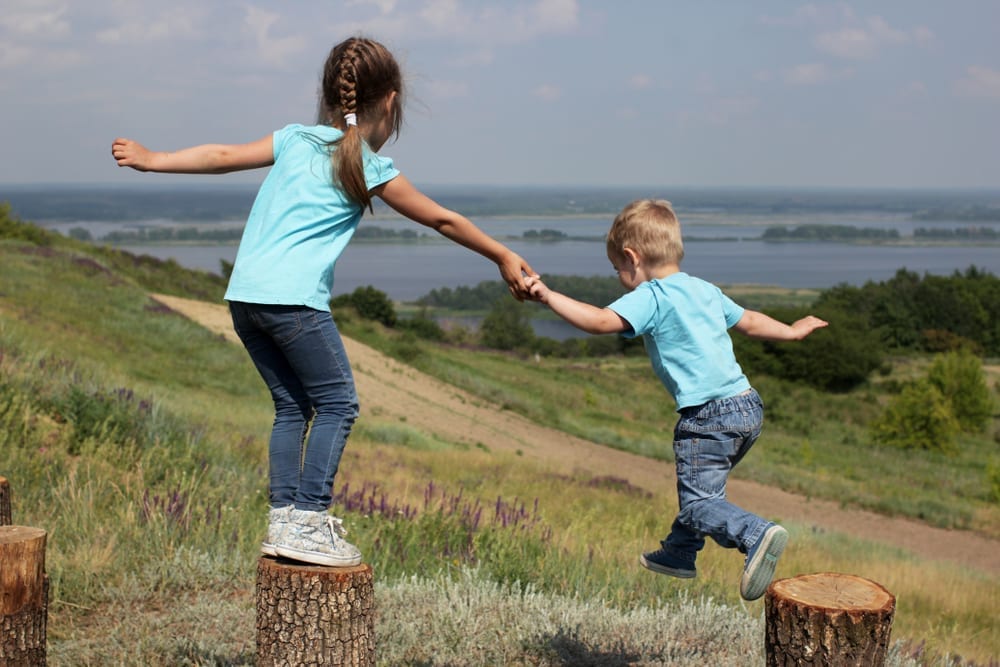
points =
(378, 169)
(636, 308)
(731, 310)
(280, 137)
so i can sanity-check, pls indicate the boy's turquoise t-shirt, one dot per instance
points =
(300, 222)
(684, 322)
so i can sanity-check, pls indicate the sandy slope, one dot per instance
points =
(392, 389)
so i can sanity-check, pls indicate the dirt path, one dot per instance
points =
(389, 388)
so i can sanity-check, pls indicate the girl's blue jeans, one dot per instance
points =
(300, 355)
(709, 440)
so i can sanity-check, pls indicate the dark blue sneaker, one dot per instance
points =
(761, 561)
(666, 563)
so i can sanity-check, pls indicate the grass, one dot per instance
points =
(817, 443)
(138, 441)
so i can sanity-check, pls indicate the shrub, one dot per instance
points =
(837, 358)
(959, 377)
(919, 417)
(371, 304)
(13, 228)
(993, 480)
(506, 326)
(423, 326)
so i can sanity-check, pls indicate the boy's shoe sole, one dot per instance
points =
(680, 573)
(759, 570)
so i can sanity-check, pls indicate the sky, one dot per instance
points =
(895, 93)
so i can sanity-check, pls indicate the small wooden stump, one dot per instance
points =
(313, 615)
(23, 596)
(827, 619)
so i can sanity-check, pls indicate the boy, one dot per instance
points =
(684, 321)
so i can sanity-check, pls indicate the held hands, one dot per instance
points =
(517, 273)
(130, 153)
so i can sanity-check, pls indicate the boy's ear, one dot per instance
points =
(631, 256)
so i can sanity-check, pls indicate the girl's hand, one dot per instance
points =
(130, 153)
(513, 269)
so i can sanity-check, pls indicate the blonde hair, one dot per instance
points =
(650, 228)
(358, 76)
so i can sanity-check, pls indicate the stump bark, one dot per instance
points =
(312, 615)
(827, 619)
(23, 596)
(5, 515)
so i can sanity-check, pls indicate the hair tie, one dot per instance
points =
(351, 119)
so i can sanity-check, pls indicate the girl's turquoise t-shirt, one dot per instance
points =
(300, 222)
(684, 323)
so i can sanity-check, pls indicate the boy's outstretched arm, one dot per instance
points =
(583, 316)
(758, 325)
(204, 159)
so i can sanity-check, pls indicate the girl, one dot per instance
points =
(306, 211)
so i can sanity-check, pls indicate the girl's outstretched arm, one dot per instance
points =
(204, 159)
(406, 199)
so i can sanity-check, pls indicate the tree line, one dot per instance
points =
(909, 313)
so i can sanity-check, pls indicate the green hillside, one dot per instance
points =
(137, 439)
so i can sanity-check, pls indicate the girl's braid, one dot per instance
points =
(347, 79)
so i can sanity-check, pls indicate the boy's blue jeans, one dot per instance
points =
(299, 353)
(709, 440)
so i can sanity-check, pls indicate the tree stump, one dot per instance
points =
(23, 596)
(5, 515)
(827, 619)
(313, 615)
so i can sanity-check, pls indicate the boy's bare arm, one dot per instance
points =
(583, 316)
(758, 325)
(204, 159)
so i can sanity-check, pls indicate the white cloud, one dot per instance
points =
(804, 15)
(554, 15)
(35, 20)
(864, 40)
(12, 55)
(847, 43)
(444, 16)
(547, 92)
(448, 89)
(979, 82)
(485, 26)
(640, 81)
(164, 27)
(721, 111)
(807, 74)
(384, 6)
(272, 50)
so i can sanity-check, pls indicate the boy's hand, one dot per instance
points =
(807, 325)
(537, 290)
(130, 153)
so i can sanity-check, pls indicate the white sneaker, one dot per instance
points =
(317, 538)
(277, 520)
